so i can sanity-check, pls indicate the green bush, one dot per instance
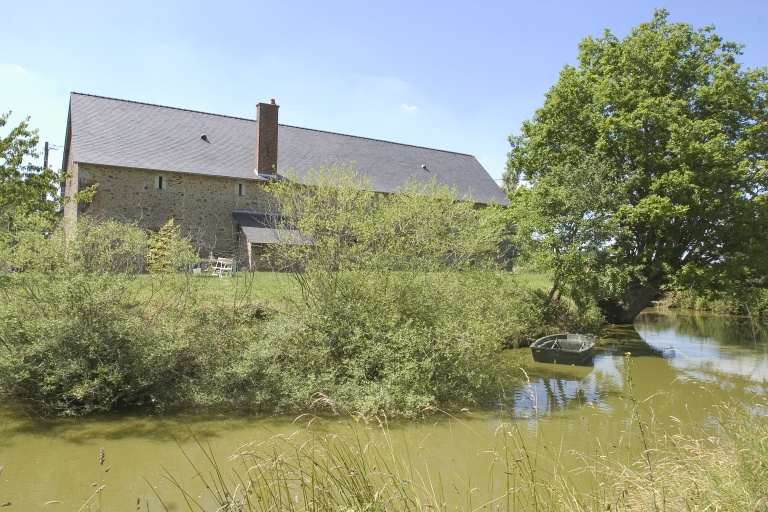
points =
(168, 251)
(400, 302)
(394, 347)
(86, 348)
(75, 335)
(82, 332)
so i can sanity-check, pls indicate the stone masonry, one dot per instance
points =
(201, 205)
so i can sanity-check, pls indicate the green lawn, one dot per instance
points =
(534, 280)
(271, 286)
(243, 286)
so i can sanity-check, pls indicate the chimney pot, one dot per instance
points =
(272, 101)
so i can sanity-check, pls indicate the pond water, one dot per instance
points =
(682, 366)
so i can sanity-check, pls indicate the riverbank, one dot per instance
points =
(750, 302)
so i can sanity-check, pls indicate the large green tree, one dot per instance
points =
(25, 189)
(645, 169)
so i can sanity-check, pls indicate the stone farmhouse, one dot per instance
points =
(208, 171)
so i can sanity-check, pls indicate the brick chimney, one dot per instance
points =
(266, 138)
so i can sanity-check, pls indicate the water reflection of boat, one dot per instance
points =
(563, 348)
(559, 388)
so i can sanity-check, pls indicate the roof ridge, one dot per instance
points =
(377, 140)
(280, 124)
(162, 106)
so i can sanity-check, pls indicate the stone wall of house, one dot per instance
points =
(201, 205)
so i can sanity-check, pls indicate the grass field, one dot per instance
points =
(274, 286)
(534, 280)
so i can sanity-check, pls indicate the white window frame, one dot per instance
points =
(161, 182)
(240, 189)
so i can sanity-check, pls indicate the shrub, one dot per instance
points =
(398, 307)
(81, 331)
(75, 334)
(401, 305)
(168, 251)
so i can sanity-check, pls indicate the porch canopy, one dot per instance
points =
(264, 228)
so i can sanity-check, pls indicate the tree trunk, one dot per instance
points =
(625, 309)
(555, 286)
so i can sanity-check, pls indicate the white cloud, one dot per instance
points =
(409, 108)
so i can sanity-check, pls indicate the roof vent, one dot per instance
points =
(423, 166)
(204, 137)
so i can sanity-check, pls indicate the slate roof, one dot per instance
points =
(262, 228)
(122, 133)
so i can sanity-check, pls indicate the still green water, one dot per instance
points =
(683, 366)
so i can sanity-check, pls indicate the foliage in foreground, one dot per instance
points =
(82, 332)
(400, 305)
(684, 466)
(647, 169)
(404, 302)
(75, 337)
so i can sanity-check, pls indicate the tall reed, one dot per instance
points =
(313, 468)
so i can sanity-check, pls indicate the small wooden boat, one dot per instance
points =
(563, 348)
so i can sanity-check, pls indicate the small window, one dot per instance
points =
(240, 189)
(160, 182)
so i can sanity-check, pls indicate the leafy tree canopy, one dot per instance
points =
(645, 169)
(24, 188)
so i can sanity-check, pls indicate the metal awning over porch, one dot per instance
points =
(268, 228)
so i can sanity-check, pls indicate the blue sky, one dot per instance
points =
(460, 76)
